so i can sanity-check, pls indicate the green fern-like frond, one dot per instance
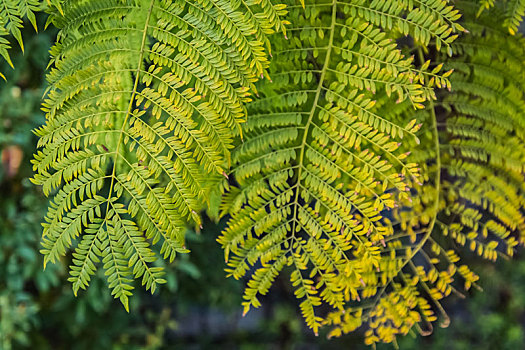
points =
(514, 10)
(472, 155)
(143, 101)
(321, 164)
(12, 16)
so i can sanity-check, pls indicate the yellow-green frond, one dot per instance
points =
(472, 156)
(321, 168)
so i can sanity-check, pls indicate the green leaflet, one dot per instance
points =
(320, 152)
(143, 101)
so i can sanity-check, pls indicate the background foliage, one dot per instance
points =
(38, 309)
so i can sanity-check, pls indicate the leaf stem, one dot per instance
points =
(131, 100)
(314, 106)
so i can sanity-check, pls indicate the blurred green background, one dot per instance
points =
(198, 308)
